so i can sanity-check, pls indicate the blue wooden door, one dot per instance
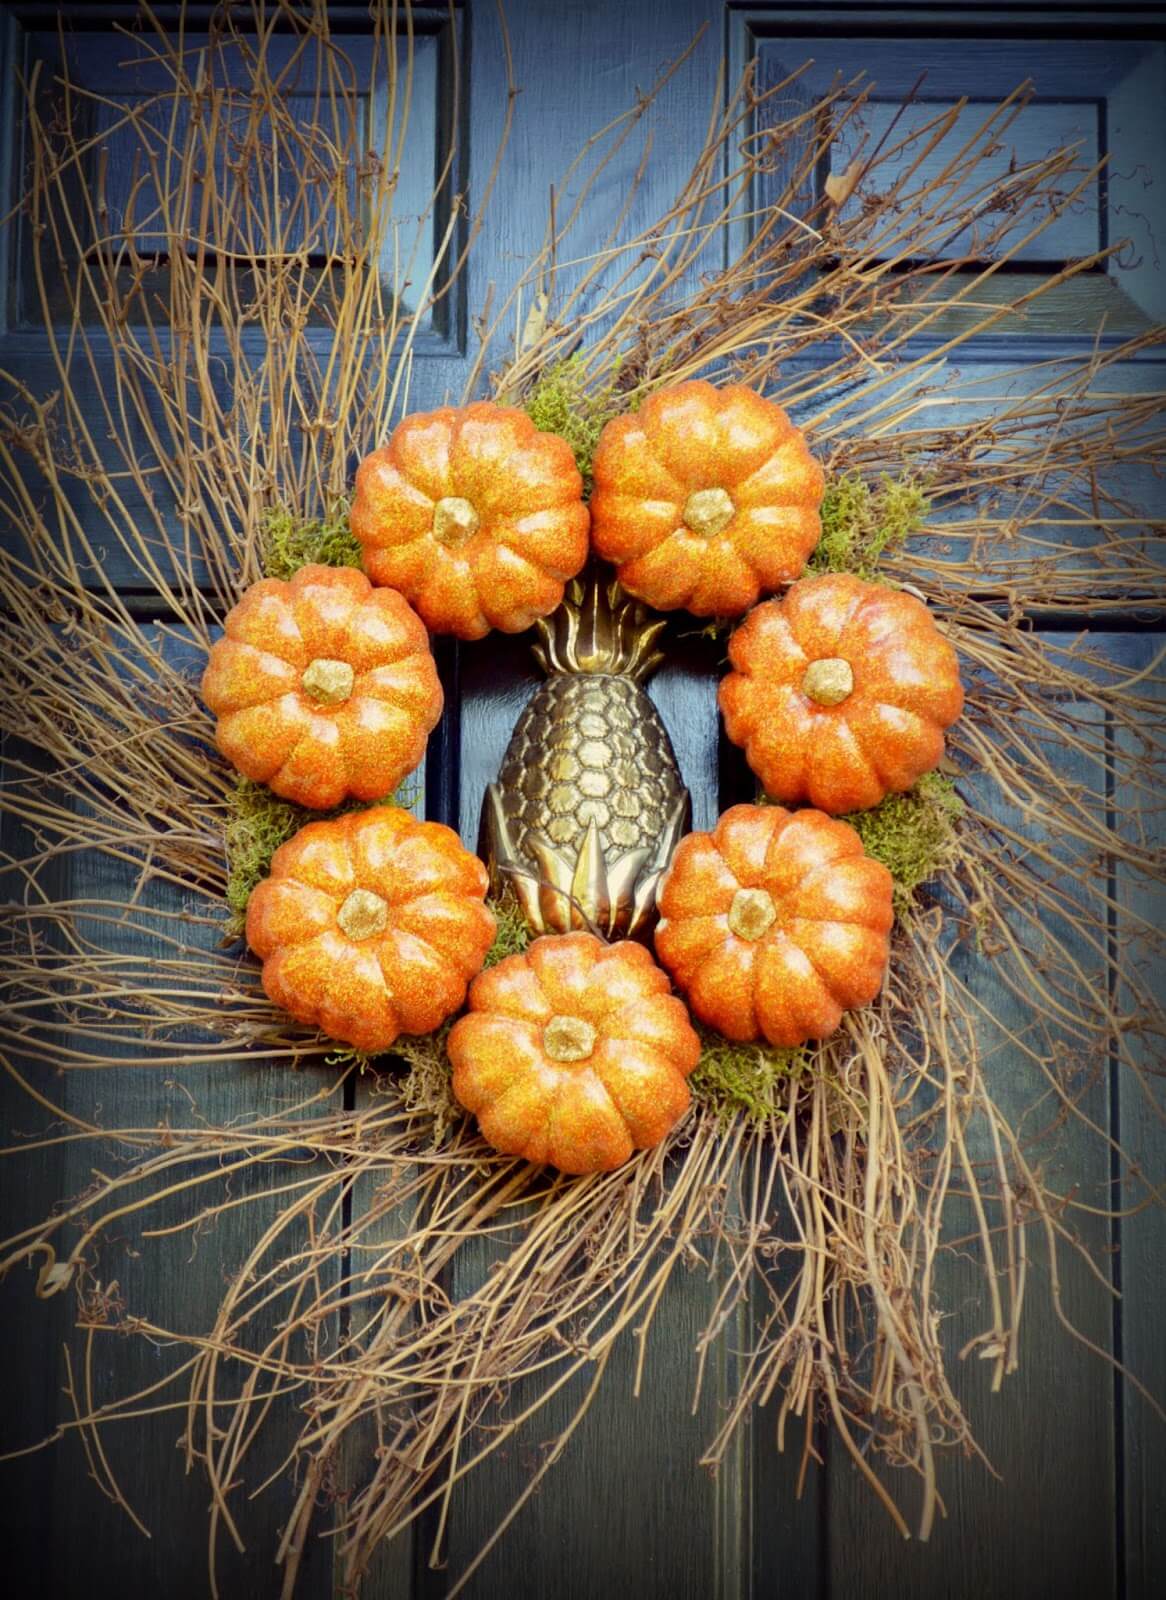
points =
(1075, 1503)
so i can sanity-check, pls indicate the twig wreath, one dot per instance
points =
(815, 1177)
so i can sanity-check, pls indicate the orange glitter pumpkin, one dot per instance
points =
(574, 1053)
(840, 692)
(324, 687)
(705, 498)
(371, 925)
(476, 516)
(775, 923)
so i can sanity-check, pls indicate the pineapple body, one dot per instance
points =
(589, 803)
(590, 748)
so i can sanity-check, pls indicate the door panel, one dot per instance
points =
(1096, 83)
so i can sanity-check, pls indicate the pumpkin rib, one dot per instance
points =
(859, 870)
(482, 1086)
(255, 743)
(699, 875)
(824, 975)
(836, 745)
(531, 1099)
(811, 1013)
(870, 751)
(770, 484)
(623, 448)
(910, 740)
(669, 573)
(729, 589)
(514, 591)
(549, 958)
(673, 930)
(320, 946)
(614, 1030)
(745, 840)
(433, 992)
(610, 1143)
(733, 960)
(512, 990)
(451, 914)
(637, 526)
(255, 616)
(646, 1124)
(420, 448)
(855, 984)
(282, 914)
(316, 852)
(313, 774)
(839, 847)
(757, 541)
(393, 935)
(245, 676)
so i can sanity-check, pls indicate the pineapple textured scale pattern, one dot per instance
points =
(589, 803)
(589, 749)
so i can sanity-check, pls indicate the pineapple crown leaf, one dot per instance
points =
(598, 628)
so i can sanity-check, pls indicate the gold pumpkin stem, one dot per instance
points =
(568, 1039)
(829, 681)
(752, 913)
(454, 521)
(708, 511)
(363, 914)
(328, 682)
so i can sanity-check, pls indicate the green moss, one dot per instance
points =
(513, 933)
(914, 835)
(749, 1080)
(427, 1087)
(259, 822)
(860, 524)
(561, 403)
(290, 542)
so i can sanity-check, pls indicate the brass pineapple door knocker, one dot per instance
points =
(589, 804)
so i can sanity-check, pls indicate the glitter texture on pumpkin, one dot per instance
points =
(370, 925)
(324, 687)
(705, 498)
(474, 515)
(775, 923)
(840, 692)
(574, 1053)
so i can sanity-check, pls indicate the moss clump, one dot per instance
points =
(914, 834)
(860, 524)
(289, 542)
(513, 933)
(561, 403)
(748, 1080)
(427, 1087)
(259, 822)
